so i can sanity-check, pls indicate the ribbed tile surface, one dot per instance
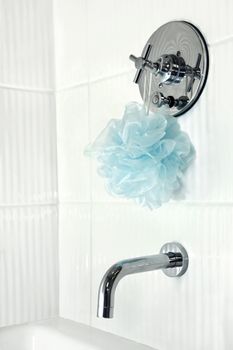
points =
(209, 125)
(73, 137)
(75, 262)
(28, 264)
(26, 43)
(70, 29)
(27, 148)
(28, 169)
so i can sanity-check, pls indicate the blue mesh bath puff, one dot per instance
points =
(143, 157)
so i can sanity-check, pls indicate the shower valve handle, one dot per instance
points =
(142, 63)
(171, 68)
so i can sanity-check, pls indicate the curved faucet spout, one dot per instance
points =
(130, 266)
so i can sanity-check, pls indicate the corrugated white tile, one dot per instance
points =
(209, 125)
(186, 313)
(115, 28)
(28, 264)
(118, 28)
(107, 100)
(27, 147)
(74, 257)
(72, 138)
(70, 19)
(212, 18)
(26, 43)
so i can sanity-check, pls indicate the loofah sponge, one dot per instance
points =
(143, 157)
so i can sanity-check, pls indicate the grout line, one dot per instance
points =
(65, 88)
(95, 80)
(71, 86)
(56, 145)
(171, 204)
(90, 170)
(26, 205)
(90, 81)
(203, 203)
(221, 41)
(26, 89)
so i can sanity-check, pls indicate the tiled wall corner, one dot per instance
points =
(75, 262)
(73, 135)
(72, 138)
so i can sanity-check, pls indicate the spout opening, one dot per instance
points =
(106, 312)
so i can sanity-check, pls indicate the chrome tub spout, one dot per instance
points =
(172, 257)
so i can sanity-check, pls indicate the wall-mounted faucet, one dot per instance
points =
(173, 260)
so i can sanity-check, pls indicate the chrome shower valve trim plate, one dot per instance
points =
(177, 57)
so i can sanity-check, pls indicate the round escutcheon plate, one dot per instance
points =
(175, 247)
(172, 38)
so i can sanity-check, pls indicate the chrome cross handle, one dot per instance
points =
(142, 63)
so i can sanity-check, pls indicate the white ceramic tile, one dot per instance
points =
(28, 148)
(115, 28)
(74, 257)
(72, 138)
(107, 100)
(118, 28)
(70, 41)
(28, 264)
(26, 43)
(186, 313)
(210, 17)
(209, 125)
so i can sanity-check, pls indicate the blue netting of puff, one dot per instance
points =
(143, 157)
